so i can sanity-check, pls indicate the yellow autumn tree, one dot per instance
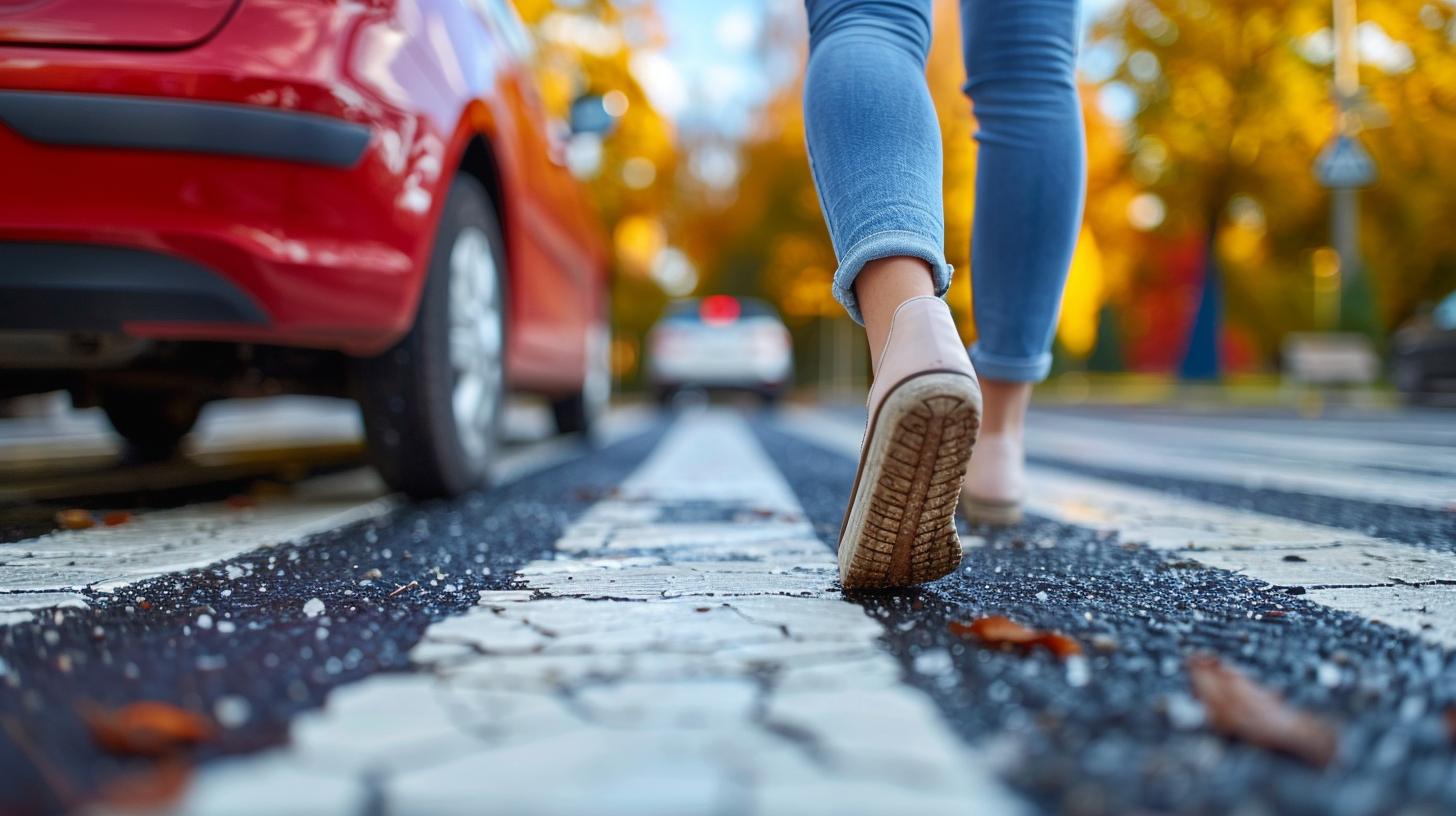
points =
(1231, 104)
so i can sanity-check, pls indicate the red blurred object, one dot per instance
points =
(284, 166)
(719, 310)
(334, 256)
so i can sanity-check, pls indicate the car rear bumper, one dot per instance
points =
(750, 374)
(73, 287)
(304, 178)
(289, 212)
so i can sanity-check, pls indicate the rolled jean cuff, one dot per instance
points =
(888, 244)
(1010, 369)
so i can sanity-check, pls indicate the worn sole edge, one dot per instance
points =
(882, 433)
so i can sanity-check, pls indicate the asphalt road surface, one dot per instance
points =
(652, 624)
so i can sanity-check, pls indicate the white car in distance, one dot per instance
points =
(720, 343)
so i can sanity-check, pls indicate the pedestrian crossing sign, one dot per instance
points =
(1344, 163)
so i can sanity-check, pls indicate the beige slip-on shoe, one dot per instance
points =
(995, 487)
(924, 410)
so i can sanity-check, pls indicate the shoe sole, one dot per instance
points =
(899, 529)
(994, 513)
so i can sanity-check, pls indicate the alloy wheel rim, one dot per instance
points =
(476, 341)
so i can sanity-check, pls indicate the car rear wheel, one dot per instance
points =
(152, 423)
(582, 411)
(432, 403)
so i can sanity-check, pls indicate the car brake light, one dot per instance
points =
(719, 310)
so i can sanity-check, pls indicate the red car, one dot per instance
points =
(224, 198)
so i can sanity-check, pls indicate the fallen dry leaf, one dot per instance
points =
(1242, 709)
(998, 630)
(241, 501)
(74, 519)
(147, 728)
(116, 518)
(1451, 723)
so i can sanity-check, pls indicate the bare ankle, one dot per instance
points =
(1005, 405)
(881, 286)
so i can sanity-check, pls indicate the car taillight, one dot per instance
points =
(719, 310)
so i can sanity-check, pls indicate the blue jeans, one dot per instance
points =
(874, 146)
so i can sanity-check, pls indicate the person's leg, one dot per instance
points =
(1030, 180)
(874, 145)
(881, 286)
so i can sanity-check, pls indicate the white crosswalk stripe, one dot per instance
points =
(1346, 465)
(654, 665)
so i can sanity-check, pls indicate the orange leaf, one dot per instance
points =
(1060, 645)
(75, 520)
(146, 728)
(116, 518)
(998, 630)
(1240, 708)
(241, 501)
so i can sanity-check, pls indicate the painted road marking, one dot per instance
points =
(1410, 587)
(684, 652)
(53, 570)
(1369, 470)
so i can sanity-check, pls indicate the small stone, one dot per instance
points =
(313, 608)
(232, 711)
(1184, 712)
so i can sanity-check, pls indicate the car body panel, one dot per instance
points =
(132, 24)
(334, 256)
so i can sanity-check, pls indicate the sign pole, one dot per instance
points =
(1344, 199)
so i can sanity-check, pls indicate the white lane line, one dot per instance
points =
(1349, 468)
(40, 572)
(51, 570)
(663, 666)
(1399, 584)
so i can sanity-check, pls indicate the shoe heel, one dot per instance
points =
(900, 526)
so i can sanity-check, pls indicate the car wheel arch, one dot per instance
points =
(479, 159)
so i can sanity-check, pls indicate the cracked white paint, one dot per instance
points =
(1342, 568)
(652, 667)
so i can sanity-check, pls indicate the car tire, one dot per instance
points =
(152, 423)
(432, 403)
(582, 411)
